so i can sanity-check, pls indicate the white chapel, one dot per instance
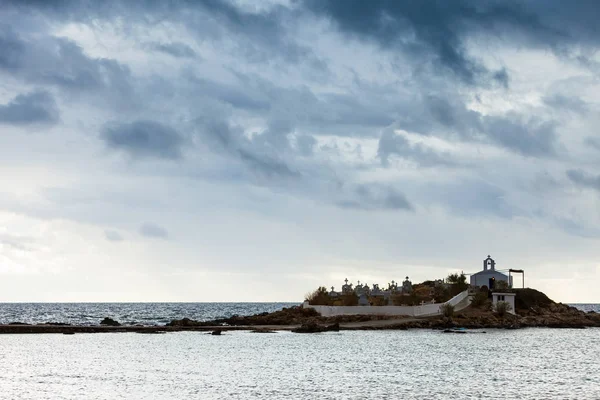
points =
(489, 276)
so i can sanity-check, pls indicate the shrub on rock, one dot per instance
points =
(447, 310)
(502, 308)
(480, 300)
(319, 297)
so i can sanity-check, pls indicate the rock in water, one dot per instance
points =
(185, 322)
(333, 327)
(109, 322)
(312, 327)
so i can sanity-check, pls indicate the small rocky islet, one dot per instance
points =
(533, 309)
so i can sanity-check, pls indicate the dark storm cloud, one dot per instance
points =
(562, 24)
(353, 113)
(439, 29)
(144, 139)
(421, 29)
(502, 77)
(433, 30)
(174, 49)
(584, 179)
(295, 107)
(260, 36)
(375, 197)
(261, 155)
(12, 49)
(449, 116)
(31, 108)
(57, 61)
(152, 230)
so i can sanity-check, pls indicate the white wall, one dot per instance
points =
(412, 311)
(508, 297)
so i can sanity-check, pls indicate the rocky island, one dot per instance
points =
(532, 309)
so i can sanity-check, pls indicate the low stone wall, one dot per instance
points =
(411, 311)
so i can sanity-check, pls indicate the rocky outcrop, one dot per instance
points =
(109, 322)
(186, 322)
(286, 316)
(312, 327)
(552, 316)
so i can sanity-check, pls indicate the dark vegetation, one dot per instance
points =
(502, 308)
(527, 299)
(347, 299)
(447, 310)
(319, 297)
(482, 299)
(427, 292)
(458, 283)
(286, 316)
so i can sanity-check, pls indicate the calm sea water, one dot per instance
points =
(414, 364)
(142, 313)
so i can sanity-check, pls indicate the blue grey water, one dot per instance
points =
(414, 364)
(127, 313)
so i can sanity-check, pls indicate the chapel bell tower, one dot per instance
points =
(489, 264)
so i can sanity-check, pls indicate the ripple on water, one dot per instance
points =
(418, 364)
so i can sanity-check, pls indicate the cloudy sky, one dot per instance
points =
(251, 151)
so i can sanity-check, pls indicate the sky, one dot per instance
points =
(253, 151)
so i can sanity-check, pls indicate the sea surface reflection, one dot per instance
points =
(417, 364)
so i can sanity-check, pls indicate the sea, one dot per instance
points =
(128, 313)
(534, 363)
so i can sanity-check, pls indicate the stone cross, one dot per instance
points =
(346, 280)
(332, 289)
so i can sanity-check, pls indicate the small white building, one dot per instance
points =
(507, 297)
(489, 276)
